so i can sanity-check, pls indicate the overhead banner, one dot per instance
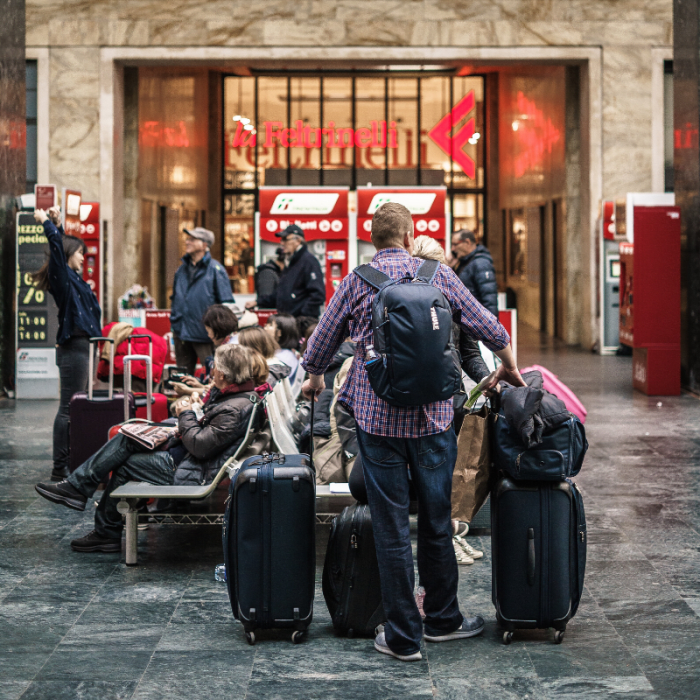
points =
(321, 212)
(426, 204)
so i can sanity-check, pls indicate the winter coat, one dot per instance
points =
(139, 346)
(301, 290)
(530, 410)
(194, 291)
(213, 439)
(479, 276)
(78, 310)
(267, 278)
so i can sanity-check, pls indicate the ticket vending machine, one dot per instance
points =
(322, 213)
(426, 204)
(91, 233)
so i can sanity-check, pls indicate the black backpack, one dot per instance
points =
(417, 361)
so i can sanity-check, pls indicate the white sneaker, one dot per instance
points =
(462, 556)
(468, 549)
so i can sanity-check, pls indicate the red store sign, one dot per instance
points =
(426, 204)
(322, 213)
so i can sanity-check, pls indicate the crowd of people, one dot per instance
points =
(395, 458)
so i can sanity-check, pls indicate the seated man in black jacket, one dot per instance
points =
(193, 457)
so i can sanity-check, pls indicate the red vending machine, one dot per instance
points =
(650, 300)
(321, 212)
(426, 204)
(91, 233)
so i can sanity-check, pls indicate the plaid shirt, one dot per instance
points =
(349, 314)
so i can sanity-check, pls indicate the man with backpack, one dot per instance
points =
(399, 389)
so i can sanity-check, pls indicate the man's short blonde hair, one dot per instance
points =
(234, 362)
(390, 223)
(428, 248)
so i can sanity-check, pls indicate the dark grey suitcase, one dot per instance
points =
(93, 413)
(351, 574)
(538, 537)
(270, 544)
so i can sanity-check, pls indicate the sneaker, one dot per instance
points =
(460, 528)
(462, 557)
(468, 549)
(62, 493)
(92, 542)
(420, 597)
(383, 648)
(60, 473)
(471, 626)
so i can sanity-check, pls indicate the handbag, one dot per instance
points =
(471, 479)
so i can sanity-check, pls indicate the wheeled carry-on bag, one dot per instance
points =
(158, 401)
(538, 536)
(93, 413)
(351, 574)
(270, 544)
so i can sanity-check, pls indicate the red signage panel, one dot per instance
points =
(71, 212)
(90, 233)
(321, 212)
(45, 196)
(426, 204)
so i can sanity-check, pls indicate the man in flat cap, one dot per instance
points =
(301, 290)
(199, 282)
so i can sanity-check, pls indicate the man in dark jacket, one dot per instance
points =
(301, 290)
(199, 282)
(267, 278)
(475, 269)
(193, 457)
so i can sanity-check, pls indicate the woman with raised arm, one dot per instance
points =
(79, 318)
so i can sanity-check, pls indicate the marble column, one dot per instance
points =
(13, 167)
(686, 166)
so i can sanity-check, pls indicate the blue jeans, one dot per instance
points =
(431, 460)
(127, 461)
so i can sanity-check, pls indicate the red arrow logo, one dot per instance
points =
(453, 146)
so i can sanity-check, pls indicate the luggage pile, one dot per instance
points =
(538, 524)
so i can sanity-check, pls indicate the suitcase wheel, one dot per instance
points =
(507, 637)
(559, 636)
(250, 638)
(298, 637)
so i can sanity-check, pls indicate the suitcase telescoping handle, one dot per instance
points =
(146, 337)
(311, 434)
(91, 364)
(128, 359)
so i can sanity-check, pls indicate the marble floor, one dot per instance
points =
(84, 626)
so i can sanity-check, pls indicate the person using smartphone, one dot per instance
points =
(78, 319)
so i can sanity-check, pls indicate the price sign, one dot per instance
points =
(37, 315)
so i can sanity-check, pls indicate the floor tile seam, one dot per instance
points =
(250, 677)
(68, 631)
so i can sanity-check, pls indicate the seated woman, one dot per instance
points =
(193, 457)
(256, 338)
(220, 324)
(283, 328)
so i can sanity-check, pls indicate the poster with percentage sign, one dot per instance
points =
(37, 314)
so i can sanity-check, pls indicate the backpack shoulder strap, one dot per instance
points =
(427, 271)
(372, 276)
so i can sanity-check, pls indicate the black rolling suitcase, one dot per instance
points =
(538, 536)
(351, 574)
(270, 544)
(93, 413)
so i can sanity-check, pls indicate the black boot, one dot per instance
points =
(92, 542)
(62, 493)
(60, 473)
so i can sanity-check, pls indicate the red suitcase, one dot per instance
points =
(92, 414)
(159, 402)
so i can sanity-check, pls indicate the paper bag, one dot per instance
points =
(471, 480)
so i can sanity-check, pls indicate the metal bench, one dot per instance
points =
(253, 443)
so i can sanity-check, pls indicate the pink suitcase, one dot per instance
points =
(555, 386)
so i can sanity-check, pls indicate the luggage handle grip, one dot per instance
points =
(127, 383)
(141, 335)
(91, 365)
(531, 556)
